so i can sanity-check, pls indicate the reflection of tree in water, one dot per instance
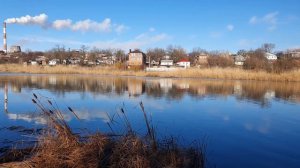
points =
(154, 90)
(220, 88)
(120, 86)
(255, 91)
(175, 93)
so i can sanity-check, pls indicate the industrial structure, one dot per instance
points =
(15, 49)
(4, 38)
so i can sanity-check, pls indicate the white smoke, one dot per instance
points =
(61, 24)
(90, 25)
(86, 25)
(29, 20)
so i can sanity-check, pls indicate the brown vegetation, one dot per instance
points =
(215, 73)
(220, 61)
(58, 146)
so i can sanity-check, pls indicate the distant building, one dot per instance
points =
(136, 58)
(106, 60)
(153, 63)
(73, 61)
(167, 63)
(202, 59)
(41, 60)
(184, 63)
(270, 56)
(239, 60)
(54, 62)
(15, 49)
(293, 54)
(166, 57)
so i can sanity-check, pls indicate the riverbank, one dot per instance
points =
(58, 146)
(213, 73)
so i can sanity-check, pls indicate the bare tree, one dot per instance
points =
(156, 53)
(120, 54)
(83, 50)
(268, 47)
(176, 52)
(242, 52)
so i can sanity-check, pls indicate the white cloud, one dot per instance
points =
(244, 43)
(120, 28)
(38, 39)
(269, 19)
(140, 41)
(151, 29)
(230, 27)
(249, 43)
(216, 34)
(253, 20)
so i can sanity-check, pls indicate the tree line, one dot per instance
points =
(255, 59)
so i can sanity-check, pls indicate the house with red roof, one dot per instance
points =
(184, 63)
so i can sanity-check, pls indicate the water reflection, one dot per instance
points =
(257, 92)
(258, 118)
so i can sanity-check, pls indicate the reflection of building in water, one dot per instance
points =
(135, 87)
(201, 90)
(269, 94)
(52, 80)
(166, 84)
(16, 88)
(34, 79)
(237, 88)
(183, 85)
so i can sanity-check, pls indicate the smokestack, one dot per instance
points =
(5, 96)
(4, 38)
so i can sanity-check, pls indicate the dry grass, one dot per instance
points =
(58, 146)
(215, 73)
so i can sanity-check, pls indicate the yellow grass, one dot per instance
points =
(214, 73)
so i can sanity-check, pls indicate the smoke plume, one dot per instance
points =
(29, 20)
(86, 25)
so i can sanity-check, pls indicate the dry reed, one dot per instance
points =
(58, 146)
(215, 73)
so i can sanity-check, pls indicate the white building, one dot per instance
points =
(239, 60)
(53, 62)
(270, 56)
(184, 63)
(166, 63)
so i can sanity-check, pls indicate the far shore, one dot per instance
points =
(210, 73)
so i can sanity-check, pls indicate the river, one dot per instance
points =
(242, 123)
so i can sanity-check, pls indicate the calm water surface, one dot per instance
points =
(243, 123)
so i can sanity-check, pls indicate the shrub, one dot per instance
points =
(220, 61)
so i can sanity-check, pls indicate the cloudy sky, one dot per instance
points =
(209, 24)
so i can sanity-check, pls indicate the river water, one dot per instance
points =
(242, 123)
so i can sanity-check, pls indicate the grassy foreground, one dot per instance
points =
(59, 146)
(214, 73)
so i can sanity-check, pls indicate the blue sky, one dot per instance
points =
(209, 24)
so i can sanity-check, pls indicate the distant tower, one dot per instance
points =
(4, 38)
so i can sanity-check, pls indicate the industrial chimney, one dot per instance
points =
(4, 38)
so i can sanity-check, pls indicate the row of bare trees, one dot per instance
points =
(255, 59)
